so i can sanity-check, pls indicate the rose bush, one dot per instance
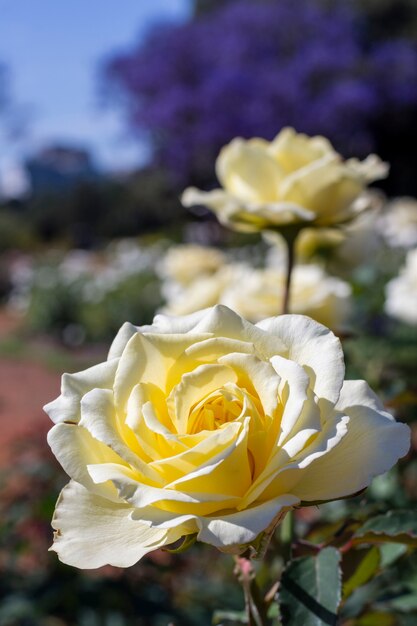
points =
(210, 425)
(293, 180)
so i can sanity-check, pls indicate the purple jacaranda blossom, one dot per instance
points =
(248, 69)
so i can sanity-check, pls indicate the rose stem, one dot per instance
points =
(286, 535)
(290, 240)
(254, 608)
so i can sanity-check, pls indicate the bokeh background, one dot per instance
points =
(107, 111)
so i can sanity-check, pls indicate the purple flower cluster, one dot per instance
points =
(248, 69)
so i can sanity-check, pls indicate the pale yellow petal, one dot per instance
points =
(91, 531)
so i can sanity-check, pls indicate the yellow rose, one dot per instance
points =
(293, 180)
(186, 262)
(313, 292)
(208, 425)
(203, 292)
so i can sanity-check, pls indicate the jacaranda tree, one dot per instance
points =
(247, 69)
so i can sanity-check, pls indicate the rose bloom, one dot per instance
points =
(313, 292)
(398, 223)
(203, 292)
(186, 262)
(401, 292)
(208, 425)
(292, 180)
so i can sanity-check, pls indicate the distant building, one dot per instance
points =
(58, 168)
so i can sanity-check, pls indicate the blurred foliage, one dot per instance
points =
(75, 301)
(92, 212)
(15, 232)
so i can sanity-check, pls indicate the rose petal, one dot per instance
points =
(92, 532)
(314, 347)
(66, 408)
(373, 444)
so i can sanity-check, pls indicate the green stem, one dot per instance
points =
(287, 533)
(290, 240)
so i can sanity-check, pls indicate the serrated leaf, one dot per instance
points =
(366, 568)
(310, 590)
(393, 527)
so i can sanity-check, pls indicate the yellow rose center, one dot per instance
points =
(215, 410)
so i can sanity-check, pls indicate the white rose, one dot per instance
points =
(398, 223)
(293, 180)
(401, 292)
(313, 292)
(258, 293)
(208, 425)
(184, 263)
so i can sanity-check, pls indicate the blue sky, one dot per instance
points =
(53, 49)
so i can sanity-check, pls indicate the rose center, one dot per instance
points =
(213, 411)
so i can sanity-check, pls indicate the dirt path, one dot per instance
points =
(25, 386)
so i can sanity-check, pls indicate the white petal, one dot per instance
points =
(92, 531)
(248, 172)
(293, 392)
(98, 416)
(75, 448)
(313, 346)
(244, 526)
(283, 471)
(259, 375)
(193, 388)
(66, 408)
(173, 324)
(142, 496)
(119, 342)
(372, 445)
(218, 200)
(223, 322)
(282, 213)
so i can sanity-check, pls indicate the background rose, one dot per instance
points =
(185, 263)
(294, 179)
(208, 424)
(401, 292)
(324, 298)
(398, 223)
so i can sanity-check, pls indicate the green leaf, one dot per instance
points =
(393, 527)
(390, 552)
(310, 590)
(376, 618)
(229, 618)
(405, 603)
(366, 568)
